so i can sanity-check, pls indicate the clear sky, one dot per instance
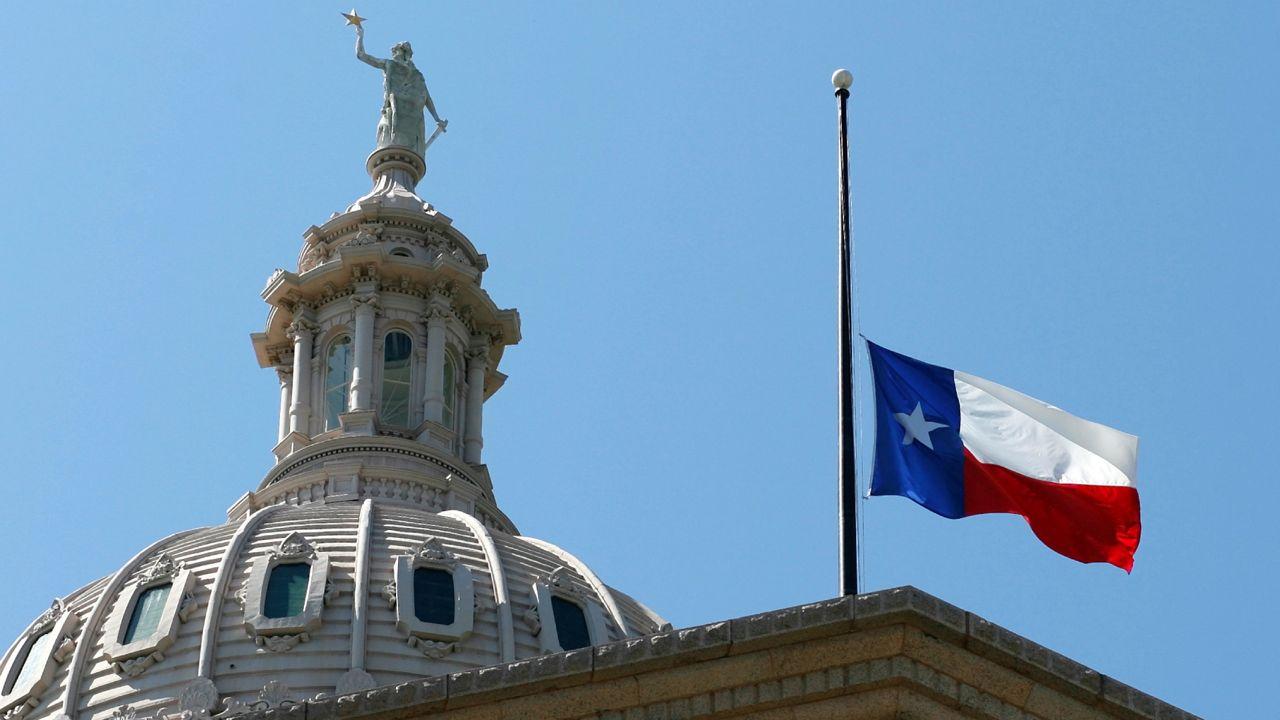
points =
(1077, 200)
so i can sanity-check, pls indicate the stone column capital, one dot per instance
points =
(301, 326)
(369, 302)
(478, 355)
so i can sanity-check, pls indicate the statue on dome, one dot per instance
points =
(404, 95)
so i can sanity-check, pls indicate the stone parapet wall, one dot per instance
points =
(897, 653)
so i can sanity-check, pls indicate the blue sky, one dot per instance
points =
(1075, 200)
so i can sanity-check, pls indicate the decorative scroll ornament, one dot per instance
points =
(389, 592)
(48, 618)
(275, 695)
(433, 551)
(293, 547)
(532, 619)
(125, 712)
(281, 643)
(560, 579)
(163, 568)
(433, 649)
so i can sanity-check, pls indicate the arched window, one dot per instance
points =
(33, 656)
(571, 624)
(147, 611)
(397, 354)
(337, 381)
(433, 598)
(402, 252)
(286, 590)
(450, 414)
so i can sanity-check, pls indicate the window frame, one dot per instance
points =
(59, 621)
(337, 339)
(284, 633)
(558, 584)
(432, 554)
(408, 381)
(132, 659)
(450, 400)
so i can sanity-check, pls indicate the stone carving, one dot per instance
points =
(354, 680)
(133, 667)
(293, 547)
(47, 618)
(197, 699)
(124, 712)
(433, 649)
(433, 550)
(367, 234)
(389, 592)
(162, 568)
(560, 579)
(404, 97)
(281, 643)
(301, 325)
(317, 253)
(274, 695)
(532, 619)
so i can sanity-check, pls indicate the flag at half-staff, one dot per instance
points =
(961, 445)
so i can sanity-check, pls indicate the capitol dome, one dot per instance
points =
(374, 551)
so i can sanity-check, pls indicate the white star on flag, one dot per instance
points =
(915, 427)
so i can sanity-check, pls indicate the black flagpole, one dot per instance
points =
(848, 478)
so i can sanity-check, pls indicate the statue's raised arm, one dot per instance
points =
(365, 57)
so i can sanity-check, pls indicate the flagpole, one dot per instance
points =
(842, 79)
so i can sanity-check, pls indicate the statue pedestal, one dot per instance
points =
(395, 172)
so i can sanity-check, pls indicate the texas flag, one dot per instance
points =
(961, 445)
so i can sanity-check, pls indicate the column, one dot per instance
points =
(433, 406)
(366, 307)
(302, 332)
(477, 365)
(285, 373)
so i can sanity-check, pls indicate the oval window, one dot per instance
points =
(286, 590)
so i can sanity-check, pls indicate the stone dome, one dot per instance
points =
(214, 649)
(374, 551)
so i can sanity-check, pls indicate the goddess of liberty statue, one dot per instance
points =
(404, 96)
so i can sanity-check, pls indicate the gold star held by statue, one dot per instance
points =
(353, 18)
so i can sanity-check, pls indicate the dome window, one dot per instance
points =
(145, 617)
(563, 617)
(397, 371)
(571, 624)
(30, 651)
(337, 380)
(401, 252)
(144, 622)
(31, 663)
(433, 597)
(287, 590)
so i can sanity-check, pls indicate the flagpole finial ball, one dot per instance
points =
(842, 79)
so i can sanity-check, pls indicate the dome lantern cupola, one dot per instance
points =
(386, 346)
